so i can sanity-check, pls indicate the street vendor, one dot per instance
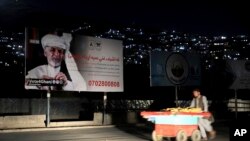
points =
(200, 101)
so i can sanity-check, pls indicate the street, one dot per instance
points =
(84, 134)
(96, 133)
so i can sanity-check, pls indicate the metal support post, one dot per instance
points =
(48, 108)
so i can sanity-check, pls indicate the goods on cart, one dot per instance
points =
(188, 109)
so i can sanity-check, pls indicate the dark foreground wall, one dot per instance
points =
(61, 108)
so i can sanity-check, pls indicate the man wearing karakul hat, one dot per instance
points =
(55, 48)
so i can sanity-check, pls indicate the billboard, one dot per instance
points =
(240, 73)
(70, 62)
(170, 69)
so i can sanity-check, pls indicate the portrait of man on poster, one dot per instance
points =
(55, 50)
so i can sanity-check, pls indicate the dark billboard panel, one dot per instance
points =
(170, 69)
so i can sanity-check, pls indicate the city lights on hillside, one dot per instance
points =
(138, 44)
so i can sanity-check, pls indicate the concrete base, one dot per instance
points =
(24, 121)
(36, 121)
(129, 117)
(99, 119)
(132, 117)
(72, 123)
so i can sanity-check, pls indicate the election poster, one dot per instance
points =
(57, 60)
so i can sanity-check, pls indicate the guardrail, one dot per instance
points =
(242, 105)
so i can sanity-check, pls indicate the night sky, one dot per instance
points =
(194, 16)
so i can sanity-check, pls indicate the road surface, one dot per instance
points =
(96, 133)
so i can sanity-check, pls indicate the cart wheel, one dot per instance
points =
(168, 138)
(196, 135)
(181, 136)
(156, 137)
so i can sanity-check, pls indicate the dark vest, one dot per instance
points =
(200, 103)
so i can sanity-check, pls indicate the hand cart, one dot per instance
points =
(180, 125)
